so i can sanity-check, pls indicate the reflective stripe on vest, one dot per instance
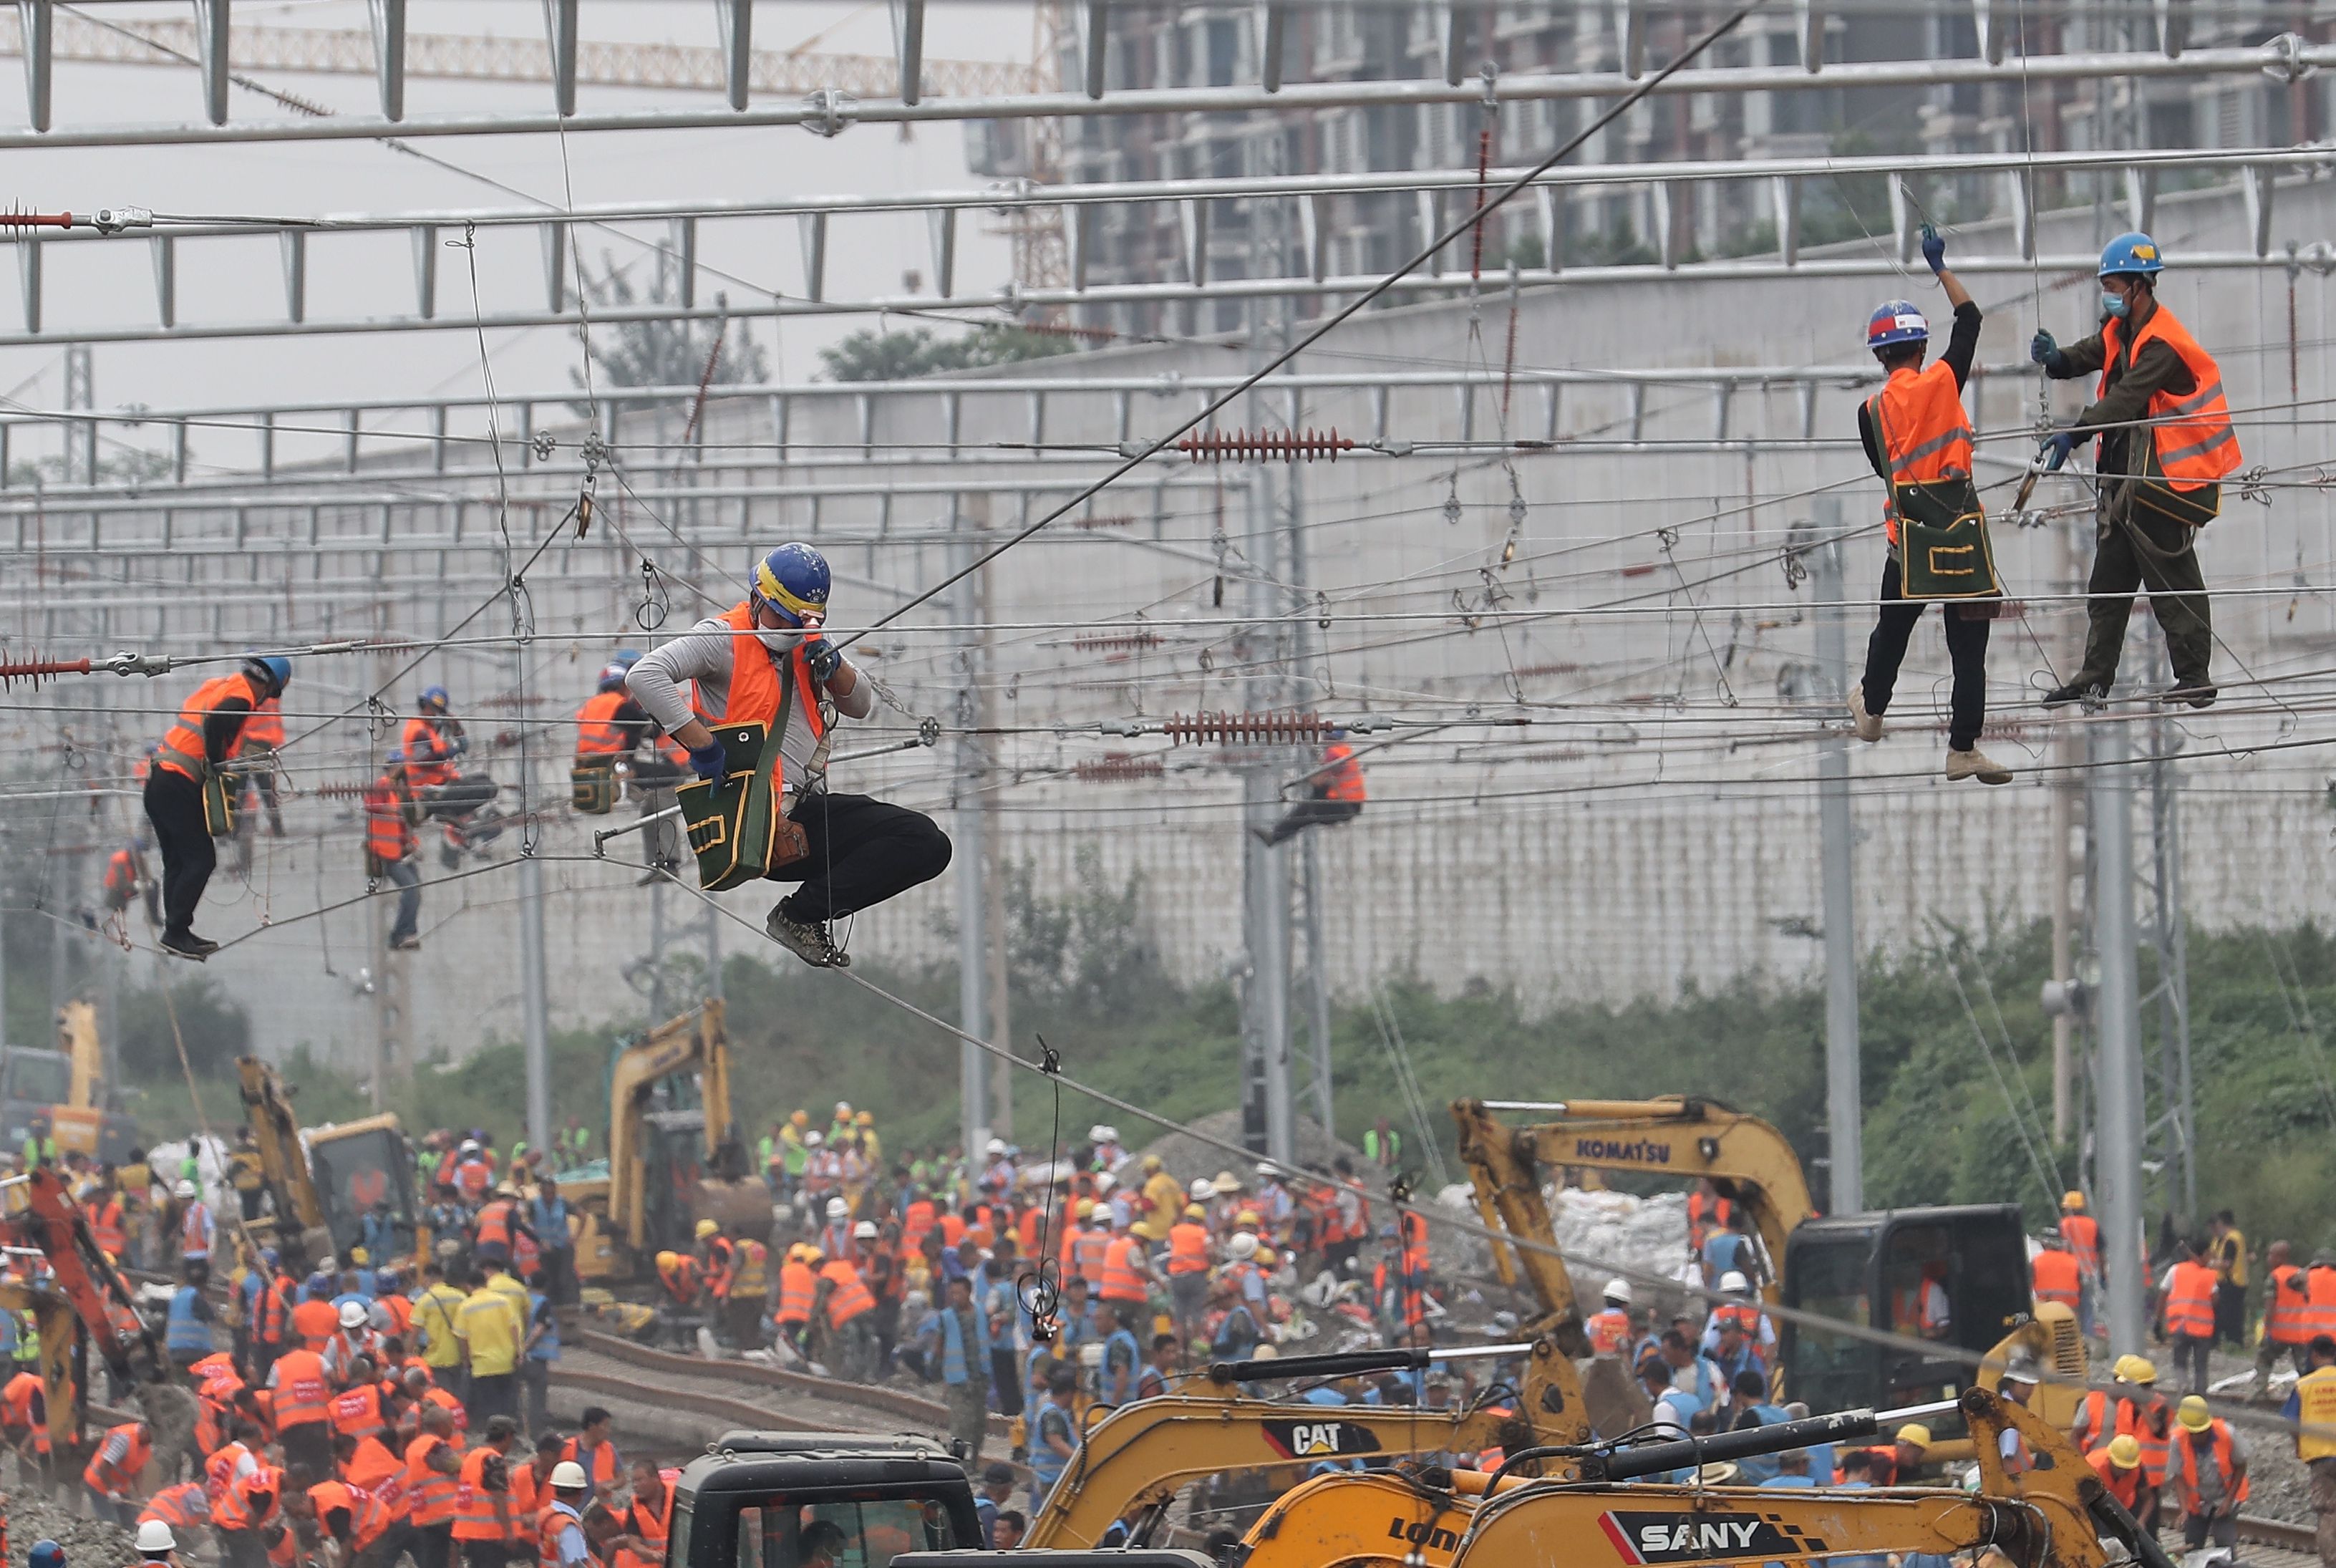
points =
(474, 1505)
(2083, 1234)
(555, 1522)
(2185, 1452)
(2156, 1447)
(597, 733)
(1609, 1331)
(1120, 1283)
(797, 1285)
(2058, 1278)
(1188, 1248)
(302, 1391)
(426, 760)
(115, 1479)
(183, 751)
(2320, 1290)
(432, 1491)
(2190, 1300)
(1926, 435)
(847, 1298)
(1089, 1249)
(2287, 1317)
(2191, 432)
(357, 1413)
(388, 836)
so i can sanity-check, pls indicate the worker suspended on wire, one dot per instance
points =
(126, 878)
(1918, 438)
(768, 656)
(1335, 794)
(263, 737)
(2164, 443)
(611, 729)
(390, 853)
(206, 739)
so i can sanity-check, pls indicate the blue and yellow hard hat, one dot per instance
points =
(792, 581)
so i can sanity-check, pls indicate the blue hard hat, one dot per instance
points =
(45, 1554)
(276, 672)
(318, 1287)
(1893, 322)
(396, 757)
(792, 581)
(434, 696)
(612, 675)
(627, 658)
(267, 1255)
(2136, 252)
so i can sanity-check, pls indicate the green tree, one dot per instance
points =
(870, 354)
(662, 353)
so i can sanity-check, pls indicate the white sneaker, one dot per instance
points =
(1976, 763)
(1869, 725)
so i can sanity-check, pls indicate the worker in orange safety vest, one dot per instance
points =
(207, 737)
(1333, 794)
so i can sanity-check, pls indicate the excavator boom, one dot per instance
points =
(299, 1222)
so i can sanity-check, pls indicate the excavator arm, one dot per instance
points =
(695, 1038)
(62, 1390)
(299, 1222)
(1747, 1161)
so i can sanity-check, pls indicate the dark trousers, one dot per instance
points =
(174, 804)
(1309, 813)
(485, 1554)
(2162, 556)
(2230, 1313)
(406, 877)
(1885, 650)
(431, 1544)
(309, 1444)
(862, 851)
(1006, 1380)
(240, 1548)
(497, 1395)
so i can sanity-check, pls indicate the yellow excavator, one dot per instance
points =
(1864, 1269)
(1137, 1455)
(321, 1182)
(1602, 1507)
(670, 1163)
(67, 1086)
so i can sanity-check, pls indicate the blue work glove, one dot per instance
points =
(823, 658)
(1934, 249)
(2059, 444)
(710, 762)
(2041, 349)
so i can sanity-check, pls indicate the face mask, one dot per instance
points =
(781, 641)
(2116, 305)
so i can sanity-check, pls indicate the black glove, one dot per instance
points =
(823, 658)
(1934, 249)
(710, 762)
(2059, 444)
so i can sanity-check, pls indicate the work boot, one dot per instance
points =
(1976, 763)
(2199, 695)
(409, 944)
(807, 940)
(1868, 724)
(2091, 693)
(188, 945)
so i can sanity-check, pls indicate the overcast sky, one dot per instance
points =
(357, 274)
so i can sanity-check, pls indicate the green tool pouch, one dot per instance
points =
(1942, 544)
(220, 794)
(735, 829)
(592, 788)
(2152, 497)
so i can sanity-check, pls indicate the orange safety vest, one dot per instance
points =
(2156, 1446)
(276, 1308)
(2092, 1417)
(495, 1223)
(797, 1284)
(473, 1177)
(1120, 1283)
(1926, 433)
(1749, 1318)
(651, 1525)
(530, 1497)
(182, 745)
(1609, 1331)
(597, 733)
(474, 1505)
(16, 1408)
(2190, 1300)
(2187, 1451)
(432, 1491)
(369, 1517)
(549, 1526)
(114, 1479)
(427, 763)
(847, 1298)
(681, 1279)
(175, 1506)
(105, 1226)
(2058, 1277)
(231, 1509)
(754, 689)
(1089, 1251)
(2287, 1314)
(600, 1469)
(1340, 775)
(1188, 1248)
(2320, 1295)
(303, 1393)
(1411, 1226)
(380, 1472)
(357, 1412)
(389, 837)
(456, 1410)
(2125, 1486)
(219, 1470)
(266, 724)
(915, 1222)
(2083, 1234)
(2192, 435)
(121, 872)
(1699, 1224)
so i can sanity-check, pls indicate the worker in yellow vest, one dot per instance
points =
(2164, 445)
(2312, 1407)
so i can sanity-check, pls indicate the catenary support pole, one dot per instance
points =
(1844, 1104)
(535, 1002)
(2116, 1090)
(2059, 863)
(972, 897)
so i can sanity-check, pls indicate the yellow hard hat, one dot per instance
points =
(1086, 1208)
(2124, 1452)
(359, 1256)
(801, 1118)
(707, 1228)
(1915, 1434)
(1194, 1211)
(2072, 1199)
(2193, 1414)
(1265, 1257)
(1247, 1217)
(1151, 1161)
(667, 1260)
(2141, 1369)
(864, 1119)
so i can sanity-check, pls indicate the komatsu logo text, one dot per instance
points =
(1642, 1153)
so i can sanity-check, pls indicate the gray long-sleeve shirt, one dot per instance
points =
(702, 654)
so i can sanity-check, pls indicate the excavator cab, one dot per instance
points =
(1954, 1277)
(357, 1165)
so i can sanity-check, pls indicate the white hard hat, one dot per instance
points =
(864, 1231)
(813, 1140)
(1105, 1183)
(1202, 1189)
(470, 1147)
(352, 1315)
(1619, 1291)
(568, 1476)
(1243, 1246)
(995, 1146)
(1733, 1281)
(185, 1189)
(154, 1536)
(837, 1208)
(842, 1105)
(1106, 1134)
